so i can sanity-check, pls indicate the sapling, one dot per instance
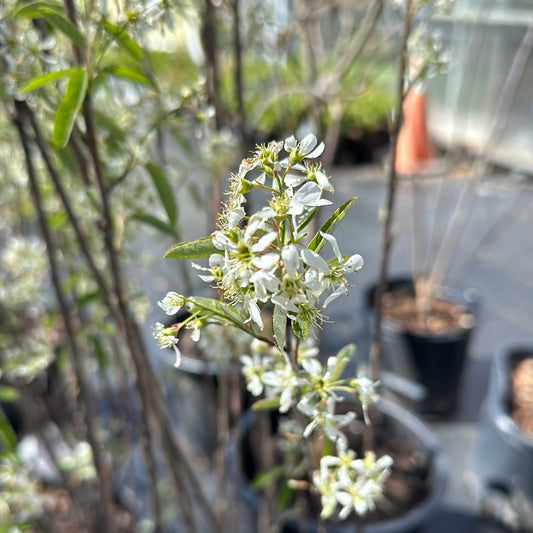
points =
(267, 260)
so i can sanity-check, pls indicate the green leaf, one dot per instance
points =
(8, 394)
(39, 81)
(34, 9)
(66, 27)
(279, 322)
(52, 12)
(130, 74)
(331, 224)
(101, 354)
(165, 192)
(267, 404)
(7, 435)
(300, 329)
(70, 107)
(263, 479)
(343, 357)
(123, 39)
(192, 249)
(155, 222)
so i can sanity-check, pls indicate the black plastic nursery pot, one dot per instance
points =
(502, 459)
(401, 425)
(434, 360)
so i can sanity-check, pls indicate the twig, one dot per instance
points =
(101, 467)
(375, 347)
(85, 247)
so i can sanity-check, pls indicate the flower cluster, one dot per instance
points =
(275, 275)
(351, 482)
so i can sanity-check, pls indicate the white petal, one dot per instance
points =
(266, 261)
(177, 362)
(314, 260)
(308, 193)
(235, 216)
(316, 152)
(340, 291)
(354, 264)
(323, 181)
(307, 143)
(333, 242)
(289, 255)
(312, 366)
(255, 312)
(292, 179)
(290, 143)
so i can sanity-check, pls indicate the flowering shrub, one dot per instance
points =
(269, 260)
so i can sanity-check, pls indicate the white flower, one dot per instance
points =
(324, 418)
(265, 284)
(363, 485)
(171, 303)
(254, 311)
(253, 368)
(308, 195)
(167, 338)
(306, 148)
(282, 380)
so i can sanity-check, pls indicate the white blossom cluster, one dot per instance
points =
(350, 482)
(274, 282)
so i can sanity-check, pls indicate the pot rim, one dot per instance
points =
(468, 297)
(500, 390)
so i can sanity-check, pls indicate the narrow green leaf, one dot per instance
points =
(279, 323)
(101, 354)
(39, 81)
(52, 12)
(123, 39)
(331, 224)
(155, 222)
(192, 249)
(343, 357)
(107, 123)
(165, 192)
(267, 404)
(70, 107)
(129, 74)
(8, 394)
(7, 435)
(65, 27)
(263, 479)
(35, 9)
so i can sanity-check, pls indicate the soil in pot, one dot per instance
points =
(522, 394)
(444, 316)
(428, 348)
(410, 488)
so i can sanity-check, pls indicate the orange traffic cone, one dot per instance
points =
(414, 150)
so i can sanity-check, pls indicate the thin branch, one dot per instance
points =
(392, 180)
(101, 467)
(105, 292)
